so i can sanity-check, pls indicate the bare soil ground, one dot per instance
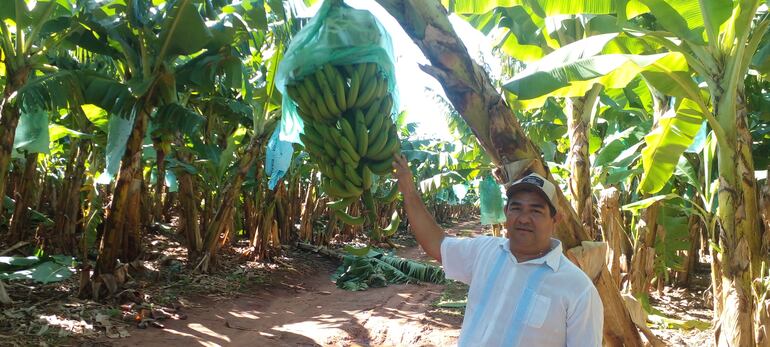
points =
(293, 303)
(302, 307)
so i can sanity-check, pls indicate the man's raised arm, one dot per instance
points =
(424, 227)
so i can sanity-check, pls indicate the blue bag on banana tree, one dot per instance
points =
(339, 35)
(277, 158)
(491, 202)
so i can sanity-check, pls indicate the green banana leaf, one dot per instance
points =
(183, 31)
(117, 137)
(172, 118)
(39, 269)
(613, 146)
(573, 69)
(544, 8)
(97, 115)
(645, 203)
(674, 133)
(677, 239)
(32, 133)
(438, 181)
(691, 20)
(57, 132)
(378, 269)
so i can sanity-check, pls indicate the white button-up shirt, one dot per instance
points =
(542, 302)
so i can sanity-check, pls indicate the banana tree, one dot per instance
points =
(716, 41)
(145, 45)
(526, 36)
(472, 94)
(29, 32)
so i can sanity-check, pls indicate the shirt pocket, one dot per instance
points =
(538, 311)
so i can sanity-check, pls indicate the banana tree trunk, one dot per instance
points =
(24, 196)
(612, 228)
(740, 236)
(765, 213)
(9, 119)
(690, 259)
(160, 184)
(219, 225)
(468, 87)
(121, 234)
(68, 205)
(188, 204)
(763, 307)
(308, 209)
(579, 113)
(642, 261)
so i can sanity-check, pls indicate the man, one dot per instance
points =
(523, 290)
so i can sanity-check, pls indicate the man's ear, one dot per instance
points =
(557, 217)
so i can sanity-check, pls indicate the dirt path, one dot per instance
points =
(305, 308)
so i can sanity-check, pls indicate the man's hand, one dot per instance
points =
(403, 174)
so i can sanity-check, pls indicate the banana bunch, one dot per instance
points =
(349, 132)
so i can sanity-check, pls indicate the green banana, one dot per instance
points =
(383, 88)
(348, 219)
(376, 146)
(326, 90)
(330, 149)
(355, 84)
(341, 204)
(353, 176)
(347, 147)
(371, 72)
(323, 130)
(347, 131)
(376, 126)
(338, 85)
(387, 151)
(347, 159)
(322, 110)
(333, 188)
(311, 88)
(311, 131)
(293, 91)
(366, 177)
(386, 106)
(383, 167)
(391, 229)
(370, 205)
(372, 113)
(339, 173)
(352, 188)
(367, 93)
(362, 134)
(303, 93)
(392, 194)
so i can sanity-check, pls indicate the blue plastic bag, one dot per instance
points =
(278, 158)
(492, 203)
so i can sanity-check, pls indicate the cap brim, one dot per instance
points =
(529, 187)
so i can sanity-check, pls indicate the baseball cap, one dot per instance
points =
(535, 183)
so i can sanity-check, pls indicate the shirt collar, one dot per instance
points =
(552, 258)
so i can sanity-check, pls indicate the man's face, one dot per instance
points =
(529, 222)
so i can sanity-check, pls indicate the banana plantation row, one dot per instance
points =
(120, 117)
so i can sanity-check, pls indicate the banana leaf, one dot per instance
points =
(378, 269)
(39, 269)
(544, 8)
(674, 133)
